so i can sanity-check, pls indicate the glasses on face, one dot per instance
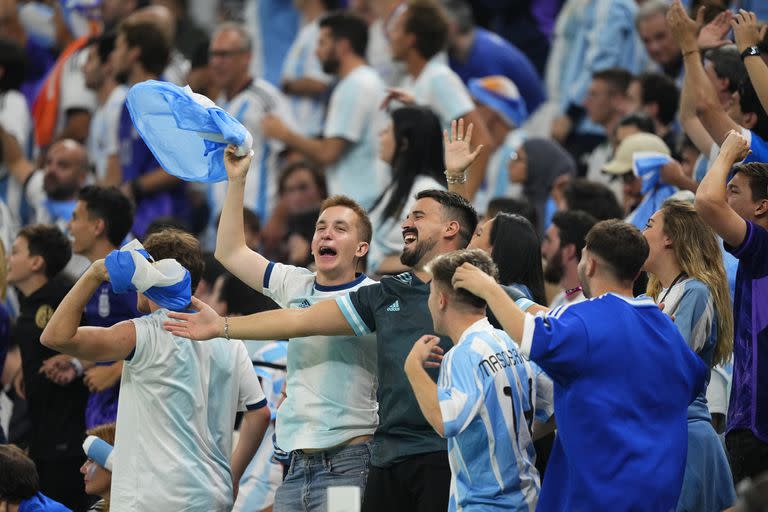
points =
(226, 53)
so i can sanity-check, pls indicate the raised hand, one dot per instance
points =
(203, 325)
(425, 352)
(236, 166)
(735, 147)
(99, 270)
(474, 280)
(683, 28)
(457, 148)
(715, 33)
(746, 31)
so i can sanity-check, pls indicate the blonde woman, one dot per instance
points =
(687, 276)
(98, 479)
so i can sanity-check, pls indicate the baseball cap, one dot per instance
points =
(623, 162)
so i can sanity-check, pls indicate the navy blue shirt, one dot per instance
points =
(492, 55)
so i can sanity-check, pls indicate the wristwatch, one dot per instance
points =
(750, 52)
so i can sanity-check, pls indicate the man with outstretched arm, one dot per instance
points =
(178, 400)
(330, 411)
(621, 445)
(409, 467)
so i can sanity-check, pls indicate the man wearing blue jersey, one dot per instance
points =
(621, 444)
(485, 398)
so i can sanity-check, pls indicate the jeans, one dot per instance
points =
(310, 474)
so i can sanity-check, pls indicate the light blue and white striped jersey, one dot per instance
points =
(175, 418)
(331, 386)
(301, 62)
(439, 88)
(489, 395)
(262, 477)
(354, 115)
(249, 106)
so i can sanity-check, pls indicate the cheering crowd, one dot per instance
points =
(473, 255)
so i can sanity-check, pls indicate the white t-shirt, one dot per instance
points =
(332, 382)
(73, 92)
(249, 107)
(175, 418)
(354, 115)
(102, 136)
(439, 88)
(301, 62)
(387, 233)
(15, 117)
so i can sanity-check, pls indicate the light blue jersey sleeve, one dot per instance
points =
(557, 342)
(449, 96)
(544, 407)
(348, 112)
(459, 392)
(694, 314)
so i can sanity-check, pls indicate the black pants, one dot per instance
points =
(747, 454)
(61, 480)
(420, 483)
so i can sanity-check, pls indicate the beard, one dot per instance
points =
(554, 271)
(412, 257)
(330, 65)
(57, 191)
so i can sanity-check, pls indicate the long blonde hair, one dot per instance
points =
(698, 255)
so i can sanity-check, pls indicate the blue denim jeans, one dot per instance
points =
(310, 474)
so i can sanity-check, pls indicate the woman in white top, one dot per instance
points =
(412, 144)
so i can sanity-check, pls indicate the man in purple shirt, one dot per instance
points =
(739, 214)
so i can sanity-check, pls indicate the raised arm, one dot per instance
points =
(711, 200)
(712, 114)
(325, 151)
(690, 121)
(323, 318)
(64, 334)
(478, 283)
(459, 158)
(747, 35)
(245, 263)
(13, 157)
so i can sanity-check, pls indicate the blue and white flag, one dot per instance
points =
(185, 131)
(647, 166)
(166, 282)
(99, 451)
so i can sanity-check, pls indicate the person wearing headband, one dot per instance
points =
(178, 400)
(97, 469)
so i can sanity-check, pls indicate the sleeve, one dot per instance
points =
(557, 342)
(449, 98)
(282, 283)
(758, 146)
(146, 343)
(113, 128)
(458, 393)
(350, 110)
(613, 26)
(251, 396)
(74, 93)
(545, 395)
(694, 316)
(34, 192)
(359, 308)
(15, 118)
(753, 251)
